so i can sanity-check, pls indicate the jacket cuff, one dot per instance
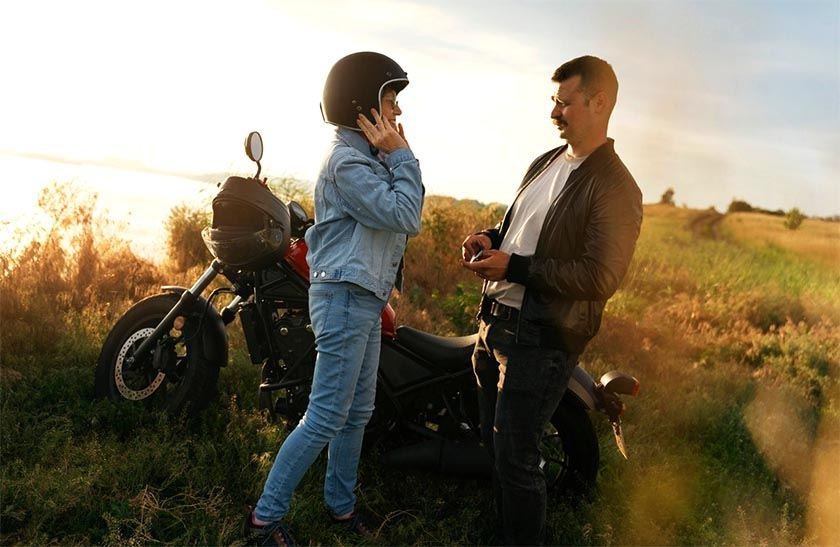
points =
(398, 156)
(495, 240)
(518, 269)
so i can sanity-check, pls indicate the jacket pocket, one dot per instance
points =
(578, 317)
(576, 322)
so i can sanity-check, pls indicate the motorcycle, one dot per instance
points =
(166, 351)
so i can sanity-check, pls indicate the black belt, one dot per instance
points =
(497, 309)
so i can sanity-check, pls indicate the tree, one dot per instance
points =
(739, 206)
(667, 197)
(793, 219)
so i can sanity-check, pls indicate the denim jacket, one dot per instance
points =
(365, 209)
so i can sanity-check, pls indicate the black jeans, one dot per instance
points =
(519, 388)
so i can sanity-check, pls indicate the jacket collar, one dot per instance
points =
(356, 140)
(598, 156)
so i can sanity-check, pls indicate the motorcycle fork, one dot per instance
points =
(187, 299)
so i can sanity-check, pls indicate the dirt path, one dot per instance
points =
(705, 224)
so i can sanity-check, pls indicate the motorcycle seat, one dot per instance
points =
(449, 353)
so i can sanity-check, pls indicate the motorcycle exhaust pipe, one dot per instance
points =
(442, 456)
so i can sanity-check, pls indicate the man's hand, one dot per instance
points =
(383, 135)
(473, 244)
(492, 265)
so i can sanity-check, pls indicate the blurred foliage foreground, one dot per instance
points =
(733, 439)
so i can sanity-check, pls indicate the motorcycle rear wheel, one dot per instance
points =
(570, 453)
(192, 381)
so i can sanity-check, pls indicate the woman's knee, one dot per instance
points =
(359, 417)
(323, 423)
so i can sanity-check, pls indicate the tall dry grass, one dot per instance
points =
(814, 239)
(440, 295)
(733, 439)
(738, 350)
(65, 272)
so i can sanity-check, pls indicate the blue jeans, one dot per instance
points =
(519, 388)
(346, 322)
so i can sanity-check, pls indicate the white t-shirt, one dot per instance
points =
(527, 216)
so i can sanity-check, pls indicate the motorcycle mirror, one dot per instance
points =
(254, 146)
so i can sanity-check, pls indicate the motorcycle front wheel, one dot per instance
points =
(569, 447)
(179, 379)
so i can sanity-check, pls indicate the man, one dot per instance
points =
(549, 267)
(368, 201)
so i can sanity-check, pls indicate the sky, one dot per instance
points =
(718, 100)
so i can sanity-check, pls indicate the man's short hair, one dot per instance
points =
(595, 75)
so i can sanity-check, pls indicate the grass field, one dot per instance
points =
(734, 439)
(814, 240)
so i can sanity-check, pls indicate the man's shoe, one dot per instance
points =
(270, 535)
(356, 523)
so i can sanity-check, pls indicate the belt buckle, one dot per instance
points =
(501, 311)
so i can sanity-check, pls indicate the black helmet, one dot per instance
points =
(250, 225)
(354, 85)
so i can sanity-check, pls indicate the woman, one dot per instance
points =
(368, 200)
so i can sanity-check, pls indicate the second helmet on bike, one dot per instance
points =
(250, 225)
(355, 84)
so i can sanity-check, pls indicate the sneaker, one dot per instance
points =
(356, 523)
(270, 535)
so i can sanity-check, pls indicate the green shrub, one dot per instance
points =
(184, 245)
(793, 219)
(461, 308)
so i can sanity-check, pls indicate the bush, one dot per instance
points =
(185, 247)
(70, 268)
(739, 206)
(292, 189)
(441, 295)
(793, 219)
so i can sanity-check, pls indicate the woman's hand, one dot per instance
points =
(383, 135)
